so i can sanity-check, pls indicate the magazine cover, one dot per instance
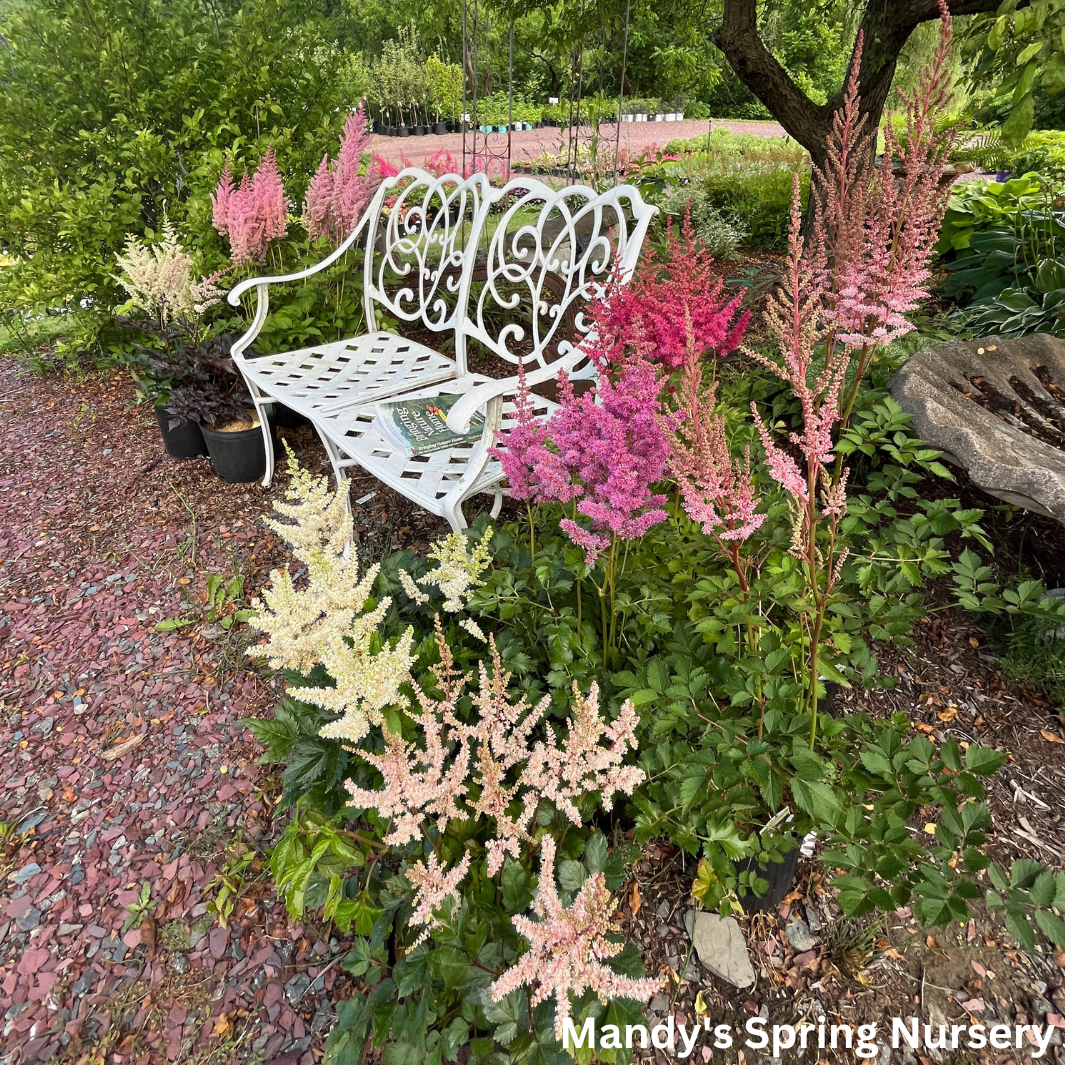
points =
(419, 426)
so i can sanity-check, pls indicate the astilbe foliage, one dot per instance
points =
(341, 189)
(568, 946)
(253, 213)
(323, 622)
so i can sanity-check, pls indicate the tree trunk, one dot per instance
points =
(885, 28)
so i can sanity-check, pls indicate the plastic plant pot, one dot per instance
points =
(238, 458)
(184, 441)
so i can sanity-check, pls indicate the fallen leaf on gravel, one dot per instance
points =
(949, 714)
(148, 935)
(978, 968)
(223, 1026)
(1053, 737)
(124, 748)
(635, 902)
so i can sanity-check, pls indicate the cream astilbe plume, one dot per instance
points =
(323, 623)
(567, 947)
(159, 279)
(458, 570)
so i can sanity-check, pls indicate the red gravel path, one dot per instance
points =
(636, 137)
(101, 537)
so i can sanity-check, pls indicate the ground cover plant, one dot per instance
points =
(653, 647)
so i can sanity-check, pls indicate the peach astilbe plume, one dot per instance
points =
(323, 622)
(491, 767)
(568, 946)
(433, 887)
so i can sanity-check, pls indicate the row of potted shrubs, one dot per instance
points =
(442, 128)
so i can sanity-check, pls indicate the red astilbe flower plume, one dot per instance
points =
(341, 189)
(253, 214)
(649, 316)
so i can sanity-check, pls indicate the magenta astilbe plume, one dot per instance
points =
(442, 162)
(650, 316)
(253, 214)
(616, 449)
(341, 189)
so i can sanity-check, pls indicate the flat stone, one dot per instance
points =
(799, 935)
(722, 949)
(994, 407)
(179, 964)
(28, 920)
(295, 988)
(26, 872)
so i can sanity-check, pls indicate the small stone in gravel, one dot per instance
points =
(44, 726)
(659, 1003)
(26, 872)
(295, 988)
(179, 964)
(812, 919)
(28, 920)
(799, 935)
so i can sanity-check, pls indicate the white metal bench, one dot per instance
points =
(504, 271)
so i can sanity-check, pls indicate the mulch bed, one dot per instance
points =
(127, 765)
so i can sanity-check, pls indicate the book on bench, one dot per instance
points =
(419, 426)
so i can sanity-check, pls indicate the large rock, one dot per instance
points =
(721, 947)
(996, 408)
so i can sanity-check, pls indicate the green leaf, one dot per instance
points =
(983, 761)
(595, 853)
(450, 965)
(571, 875)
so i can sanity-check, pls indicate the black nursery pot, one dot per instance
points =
(419, 131)
(439, 128)
(286, 418)
(402, 131)
(238, 457)
(183, 442)
(781, 875)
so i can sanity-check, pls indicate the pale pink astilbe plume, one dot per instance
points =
(717, 491)
(482, 769)
(433, 887)
(341, 189)
(420, 783)
(568, 946)
(221, 199)
(874, 232)
(254, 213)
(648, 316)
(580, 765)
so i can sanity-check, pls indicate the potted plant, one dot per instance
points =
(167, 303)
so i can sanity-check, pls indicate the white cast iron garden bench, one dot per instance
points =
(504, 271)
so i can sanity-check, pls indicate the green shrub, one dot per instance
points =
(114, 113)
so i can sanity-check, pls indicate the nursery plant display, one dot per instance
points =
(655, 638)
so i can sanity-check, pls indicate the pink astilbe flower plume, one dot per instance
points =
(490, 768)
(341, 189)
(568, 946)
(254, 213)
(717, 491)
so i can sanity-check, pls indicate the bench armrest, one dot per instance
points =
(460, 415)
(261, 286)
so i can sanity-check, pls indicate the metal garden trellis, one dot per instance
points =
(485, 148)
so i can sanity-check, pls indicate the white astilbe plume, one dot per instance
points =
(567, 947)
(323, 622)
(433, 886)
(491, 768)
(458, 570)
(159, 280)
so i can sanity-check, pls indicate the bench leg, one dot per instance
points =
(263, 406)
(333, 454)
(453, 514)
(497, 504)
